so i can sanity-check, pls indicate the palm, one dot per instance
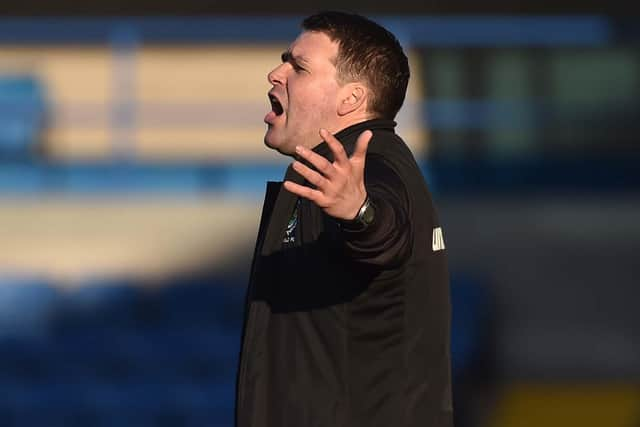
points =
(339, 185)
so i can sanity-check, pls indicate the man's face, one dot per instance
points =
(304, 96)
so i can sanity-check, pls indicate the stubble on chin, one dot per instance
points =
(282, 147)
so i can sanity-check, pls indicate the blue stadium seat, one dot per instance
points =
(470, 321)
(25, 360)
(204, 300)
(22, 115)
(28, 306)
(101, 303)
(32, 404)
(102, 366)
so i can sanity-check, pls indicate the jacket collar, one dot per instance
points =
(349, 135)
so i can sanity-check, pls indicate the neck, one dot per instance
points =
(345, 122)
(342, 122)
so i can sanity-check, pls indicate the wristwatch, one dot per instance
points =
(365, 217)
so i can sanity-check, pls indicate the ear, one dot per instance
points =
(353, 98)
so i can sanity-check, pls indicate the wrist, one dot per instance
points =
(363, 218)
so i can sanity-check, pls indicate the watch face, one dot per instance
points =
(368, 215)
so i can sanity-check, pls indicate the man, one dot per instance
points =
(347, 321)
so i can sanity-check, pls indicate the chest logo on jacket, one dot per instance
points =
(290, 232)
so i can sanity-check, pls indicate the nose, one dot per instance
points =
(277, 75)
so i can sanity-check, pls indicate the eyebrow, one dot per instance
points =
(287, 56)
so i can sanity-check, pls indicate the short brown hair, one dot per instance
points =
(366, 52)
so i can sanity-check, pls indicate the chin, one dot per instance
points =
(274, 144)
(270, 143)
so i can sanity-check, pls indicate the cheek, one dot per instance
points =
(317, 102)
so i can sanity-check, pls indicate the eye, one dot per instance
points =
(287, 57)
(297, 68)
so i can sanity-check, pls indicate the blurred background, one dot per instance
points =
(132, 172)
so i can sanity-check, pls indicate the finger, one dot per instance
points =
(336, 147)
(321, 164)
(360, 152)
(304, 191)
(310, 175)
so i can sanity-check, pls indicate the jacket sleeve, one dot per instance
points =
(387, 241)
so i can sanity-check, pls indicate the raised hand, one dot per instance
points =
(338, 187)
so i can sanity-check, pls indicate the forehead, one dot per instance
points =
(314, 46)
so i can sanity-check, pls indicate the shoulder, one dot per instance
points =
(390, 159)
(388, 149)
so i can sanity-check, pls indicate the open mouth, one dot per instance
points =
(276, 107)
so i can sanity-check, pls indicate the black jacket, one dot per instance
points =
(349, 328)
